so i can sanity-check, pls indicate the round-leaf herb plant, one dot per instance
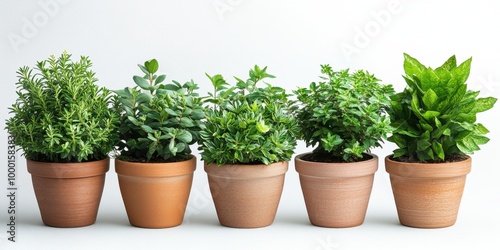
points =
(246, 124)
(435, 115)
(159, 121)
(343, 116)
(61, 115)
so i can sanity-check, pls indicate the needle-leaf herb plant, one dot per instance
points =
(344, 115)
(247, 124)
(61, 115)
(435, 115)
(158, 122)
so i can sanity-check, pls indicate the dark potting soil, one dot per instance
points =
(328, 158)
(448, 159)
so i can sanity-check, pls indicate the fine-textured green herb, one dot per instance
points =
(344, 115)
(246, 124)
(60, 114)
(435, 116)
(158, 121)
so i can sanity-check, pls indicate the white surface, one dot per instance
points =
(229, 36)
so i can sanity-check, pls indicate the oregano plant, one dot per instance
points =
(158, 121)
(344, 115)
(248, 124)
(61, 115)
(435, 115)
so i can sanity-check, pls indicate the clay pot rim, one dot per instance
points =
(246, 171)
(427, 170)
(67, 170)
(163, 169)
(336, 169)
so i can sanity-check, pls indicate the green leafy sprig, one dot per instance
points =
(435, 115)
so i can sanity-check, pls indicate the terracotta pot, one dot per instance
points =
(155, 195)
(68, 194)
(427, 195)
(336, 194)
(246, 196)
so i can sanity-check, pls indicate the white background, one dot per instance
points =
(292, 38)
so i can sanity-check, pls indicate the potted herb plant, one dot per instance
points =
(248, 139)
(435, 130)
(63, 123)
(344, 117)
(158, 123)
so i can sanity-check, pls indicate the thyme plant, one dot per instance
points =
(61, 115)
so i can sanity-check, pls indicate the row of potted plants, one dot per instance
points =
(67, 127)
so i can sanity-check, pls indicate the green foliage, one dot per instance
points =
(435, 116)
(247, 124)
(60, 114)
(158, 121)
(344, 115)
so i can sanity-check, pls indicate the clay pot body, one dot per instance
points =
(427, 195)
(155, 195)
(68, 194)
(336, 194)
(246, 196)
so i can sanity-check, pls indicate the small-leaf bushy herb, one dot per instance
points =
(61, 115)
(158, 121)
(246, 124)
(344, 115)
(435, 116)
